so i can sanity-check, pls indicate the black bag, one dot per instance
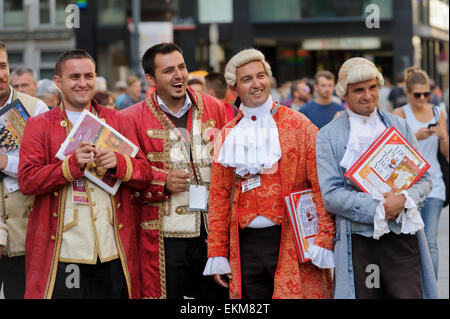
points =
(445, 172)
(443, 163)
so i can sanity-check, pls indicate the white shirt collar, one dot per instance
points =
(10, 97)
(187, 105)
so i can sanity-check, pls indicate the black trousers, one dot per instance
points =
(83, 281)
(12, 276)
(185, 260)
(259, 248)
(387, 268)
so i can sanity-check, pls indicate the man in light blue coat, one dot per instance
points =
(370, 265)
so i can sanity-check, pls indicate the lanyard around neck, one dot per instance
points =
(187, 142)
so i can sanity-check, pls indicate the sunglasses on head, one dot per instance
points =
(419, 94)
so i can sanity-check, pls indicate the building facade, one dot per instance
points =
(298, 37)
(301, 37)
(36, 33)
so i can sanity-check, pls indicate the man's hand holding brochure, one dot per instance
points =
(386, 169)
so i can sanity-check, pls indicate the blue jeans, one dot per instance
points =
(431, 213)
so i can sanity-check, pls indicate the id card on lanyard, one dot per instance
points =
(198, 195)
(79, 194)
(252, 182)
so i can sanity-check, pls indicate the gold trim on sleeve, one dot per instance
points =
(66, 170)
(129, 172)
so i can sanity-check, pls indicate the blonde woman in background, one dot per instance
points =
(430, 127)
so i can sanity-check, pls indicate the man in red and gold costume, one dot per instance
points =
(76, 228)
(175, 127)
(266, 152)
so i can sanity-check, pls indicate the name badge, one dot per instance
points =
(253, 181)
(198, 197)
(79, 194)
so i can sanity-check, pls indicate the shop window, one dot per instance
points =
(13, 13)
(111, 12)
(44, 11)
(295, 10)
(215, 11)
(273, 11)
(50, 57)
(46, 73)
(47, 66)
(15, 58)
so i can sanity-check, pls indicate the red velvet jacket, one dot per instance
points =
(297, 169)
(43, 175)
(147, 120)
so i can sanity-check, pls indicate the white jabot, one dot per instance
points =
(253, 144)
(363, 132)
(186, 106)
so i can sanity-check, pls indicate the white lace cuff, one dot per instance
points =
(3, 234)
(380, 225)
(410, 216)
(217, 266)
(321, 257)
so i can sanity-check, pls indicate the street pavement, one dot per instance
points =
(443, 279)
(443, 238)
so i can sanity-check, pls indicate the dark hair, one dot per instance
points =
(148, 59)
(103, 98)
(69, 55)
(324, 74)
(3, 48)
(400, 78)
(195, 81)
(216, 82)
(294, 86)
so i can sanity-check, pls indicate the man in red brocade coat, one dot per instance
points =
(93, 240)
(266, 152)
(175, 127)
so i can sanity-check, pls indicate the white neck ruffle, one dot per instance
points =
(363, 132)
(253, 145)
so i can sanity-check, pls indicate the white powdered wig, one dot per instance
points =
(244, 57)
(356, 70)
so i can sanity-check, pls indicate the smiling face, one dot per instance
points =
(252, 84)
(77, 83)
(362, 97)
(171, 77)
